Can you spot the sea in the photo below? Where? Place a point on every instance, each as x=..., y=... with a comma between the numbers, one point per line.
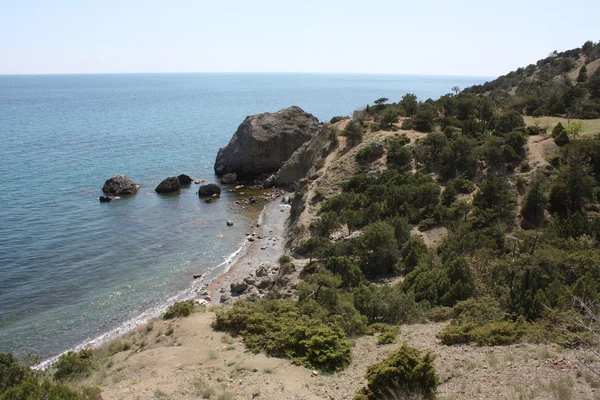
x=75, y=272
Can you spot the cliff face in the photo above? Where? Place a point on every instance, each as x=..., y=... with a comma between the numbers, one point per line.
x=300, y=163
x=263, y=142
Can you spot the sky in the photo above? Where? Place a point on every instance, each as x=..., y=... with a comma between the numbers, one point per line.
x=461, y=37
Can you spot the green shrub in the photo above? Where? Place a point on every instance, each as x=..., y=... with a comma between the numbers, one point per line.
x=386, y=338
x=407, y=124
x=404, y=372
x=353, y=132
x=338, y=118
x=440, y=314
x=11, y=372
x=284, y=259
x=554, y=160
x=562, y=139
x=481, y=321
x=365, y=155
x=557, y=130
x=180, y=309
x=37, y=388
x=280, y=329
x=74, y=365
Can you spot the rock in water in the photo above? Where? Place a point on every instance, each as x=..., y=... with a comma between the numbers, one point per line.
x=209, y=190
x=263, y=142
x=185, y=179
x=169, y=185
x=120, y=184
x=229, y=179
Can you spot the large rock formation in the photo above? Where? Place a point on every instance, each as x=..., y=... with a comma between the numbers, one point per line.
x=301, y=162
x=120, y=184
x=263, y=142
x=169, y=185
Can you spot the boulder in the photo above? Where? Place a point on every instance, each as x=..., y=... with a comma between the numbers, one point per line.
x=209, y=190
x=185, y=179
x=120, y=184
x=263, y=142
x=300, y=163
x=229, y=179
x=238, y=287
x=377, y=149
x=169, y=185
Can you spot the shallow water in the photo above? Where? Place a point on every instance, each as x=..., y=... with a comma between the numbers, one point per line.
x=72, y=269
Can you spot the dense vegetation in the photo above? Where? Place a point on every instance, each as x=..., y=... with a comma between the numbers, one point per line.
x=18, y=382
x=519, y=243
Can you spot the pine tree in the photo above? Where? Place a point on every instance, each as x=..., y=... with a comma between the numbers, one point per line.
x=582, y=77
x=534, y=204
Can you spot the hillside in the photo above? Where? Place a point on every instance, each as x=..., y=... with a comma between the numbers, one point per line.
x=443, y=249
x=564, y=83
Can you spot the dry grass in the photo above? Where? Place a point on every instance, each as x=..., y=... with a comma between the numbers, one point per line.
x=589, y=126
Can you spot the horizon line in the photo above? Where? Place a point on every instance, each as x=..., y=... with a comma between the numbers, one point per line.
x=236, y=72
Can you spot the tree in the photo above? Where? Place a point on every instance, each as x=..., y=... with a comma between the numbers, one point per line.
x=379, y=249
x=380, y=100
x=398, y=156
x=582, y=77
x=495, y=201
x=353, y=131
x=534, y=204
x=455, y=89
x=389, y=116
x=425, y=116
x=509, y=121
x=409, y=102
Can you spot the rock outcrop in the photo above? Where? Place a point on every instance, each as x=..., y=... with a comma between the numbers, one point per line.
x=263, y=142
x=169, y=185
x=300, y=163
x=120, y=184
x=185, y=179
x=209, y=190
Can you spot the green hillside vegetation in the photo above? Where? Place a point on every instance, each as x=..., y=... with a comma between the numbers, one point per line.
x=521, y=244
x=561, y=84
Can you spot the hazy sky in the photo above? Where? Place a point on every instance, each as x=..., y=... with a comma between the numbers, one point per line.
x=482, y=38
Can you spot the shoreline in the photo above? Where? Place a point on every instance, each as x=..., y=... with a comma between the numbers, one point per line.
x=270, y=225
x=269, y=234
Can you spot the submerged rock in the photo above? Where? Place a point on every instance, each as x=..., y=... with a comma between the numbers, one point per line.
x=120, y=184
x=209, y=190
x=263, y=142
x=169, y=185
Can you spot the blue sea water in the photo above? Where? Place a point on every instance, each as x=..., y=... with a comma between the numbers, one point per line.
x=72, y=269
